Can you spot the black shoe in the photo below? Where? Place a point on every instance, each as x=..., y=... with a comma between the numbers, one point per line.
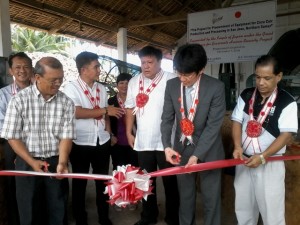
x=105, y=222
x=145, y=222
x=170, y=222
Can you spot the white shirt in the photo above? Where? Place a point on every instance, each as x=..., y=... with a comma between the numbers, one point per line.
x=88, y=130
x=148, y=135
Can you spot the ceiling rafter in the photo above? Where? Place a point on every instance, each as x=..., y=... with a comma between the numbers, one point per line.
x=56, y=11
x=155, y=21
x=65, y=20
x=159, y=28
x=138, y=7
x=104, y=38
x=184, y=6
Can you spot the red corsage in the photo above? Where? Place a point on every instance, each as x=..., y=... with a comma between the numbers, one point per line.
x=141, y=100
x=187, y=127
x=253, y=129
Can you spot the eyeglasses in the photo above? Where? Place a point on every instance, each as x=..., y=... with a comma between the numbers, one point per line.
x=57, y=81
x=186, y=75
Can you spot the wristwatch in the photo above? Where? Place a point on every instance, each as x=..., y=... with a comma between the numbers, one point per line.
x=262, y=158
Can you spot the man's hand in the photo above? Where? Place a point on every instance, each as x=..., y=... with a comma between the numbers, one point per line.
x=61, y=168
x=39, y=166
x=253, y=162
x=192, y=161
x=115, y=111
x=238, y=153
x=172, y=156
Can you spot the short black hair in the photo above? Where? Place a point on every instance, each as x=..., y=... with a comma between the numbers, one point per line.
x=190, y=58
x=266, y=60
x=18, y=54
x=49, y=61
x=85, y=58
x=123, y=76
x=150, y=51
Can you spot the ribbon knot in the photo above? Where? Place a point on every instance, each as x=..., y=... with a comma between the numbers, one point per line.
x=128, y=186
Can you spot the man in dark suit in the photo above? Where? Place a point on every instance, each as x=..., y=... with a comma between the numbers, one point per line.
x=197, y=102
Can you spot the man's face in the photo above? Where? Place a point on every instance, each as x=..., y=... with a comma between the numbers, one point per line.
x=92, y=70
x=189, y=79
x=122, y=87
x=266, y=80
x=21, y=70
x=150, y=66
x=50, y=82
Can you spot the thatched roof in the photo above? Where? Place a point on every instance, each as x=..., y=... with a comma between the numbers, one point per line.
x=156, y=22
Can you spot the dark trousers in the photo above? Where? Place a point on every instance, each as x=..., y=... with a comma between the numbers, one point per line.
x=37, y=195
x=149, y=160
x=210, y=183
x=123, y=155
x=10, y=186
x=81, y=158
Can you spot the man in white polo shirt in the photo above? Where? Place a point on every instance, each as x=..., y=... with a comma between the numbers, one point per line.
x=144, y=102
x=93, y=131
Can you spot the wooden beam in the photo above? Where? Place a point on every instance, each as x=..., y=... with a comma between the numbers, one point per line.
x=154, y=21
x=106, y=36
x=58, y=12
x=65, y=21
x=138, y=7
x=138, y=46
x=182, y=9
x=62, y=22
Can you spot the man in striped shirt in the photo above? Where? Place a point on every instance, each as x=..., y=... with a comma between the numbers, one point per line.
x=39, y=126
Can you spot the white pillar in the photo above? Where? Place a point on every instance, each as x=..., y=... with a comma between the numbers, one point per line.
x=122, y=44
x=5, y=41
x=5, y=34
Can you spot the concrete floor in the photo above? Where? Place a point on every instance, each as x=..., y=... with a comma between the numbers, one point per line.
x=127, y=217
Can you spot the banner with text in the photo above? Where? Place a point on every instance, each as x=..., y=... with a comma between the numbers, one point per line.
x=240, y=33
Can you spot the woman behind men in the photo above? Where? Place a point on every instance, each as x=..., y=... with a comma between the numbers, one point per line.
x=121, y=152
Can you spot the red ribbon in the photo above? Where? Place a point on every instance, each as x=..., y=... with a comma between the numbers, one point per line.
x=164, y=172
x=213, y=165
x=124, y=192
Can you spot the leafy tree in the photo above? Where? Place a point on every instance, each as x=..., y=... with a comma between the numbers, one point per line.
x=28, y=40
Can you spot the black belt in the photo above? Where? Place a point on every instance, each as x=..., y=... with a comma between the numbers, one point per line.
x=248, y=156
x=44, y=158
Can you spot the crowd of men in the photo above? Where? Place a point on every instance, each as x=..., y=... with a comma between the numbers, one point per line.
x=156, y=120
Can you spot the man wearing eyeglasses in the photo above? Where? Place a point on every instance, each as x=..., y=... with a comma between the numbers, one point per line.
x=196, y=101
x=39, y=126
x=20, y=67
